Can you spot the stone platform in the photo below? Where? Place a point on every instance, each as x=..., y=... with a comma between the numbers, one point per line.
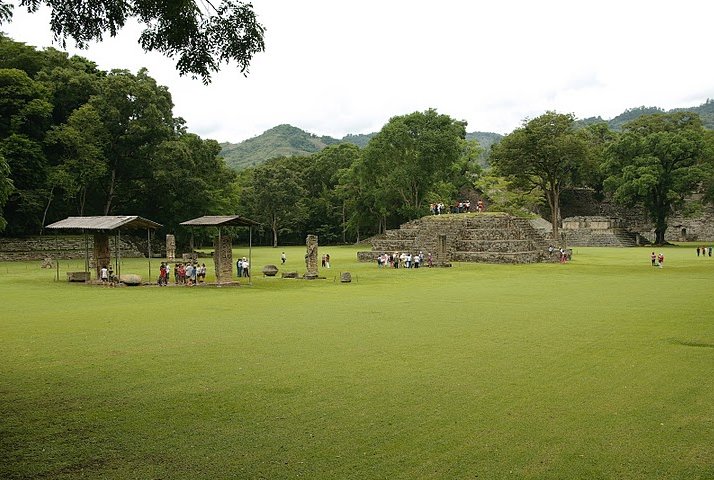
x=465, y=237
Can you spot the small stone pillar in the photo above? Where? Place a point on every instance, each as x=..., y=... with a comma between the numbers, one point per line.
x=311, y=257
x=223, y=259
x=102, y=253
x=170, y=248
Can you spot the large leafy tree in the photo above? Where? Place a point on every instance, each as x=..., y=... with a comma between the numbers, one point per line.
x=199, y=35
x=546, y=153
x=327, y=205
x=273, y=194
x=656, y=162
x=407, y=157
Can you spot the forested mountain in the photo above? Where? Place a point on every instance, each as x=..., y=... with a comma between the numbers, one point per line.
x=705, y=111
x=289, y=141
x=280, y=141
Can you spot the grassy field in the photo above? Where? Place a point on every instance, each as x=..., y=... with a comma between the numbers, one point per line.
x=598, y=369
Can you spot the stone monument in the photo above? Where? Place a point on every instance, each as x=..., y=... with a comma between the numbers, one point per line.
x=170, y=248
x=311, y=257
x=223, y=259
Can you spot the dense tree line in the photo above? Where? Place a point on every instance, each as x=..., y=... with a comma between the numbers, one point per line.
x=75, y=140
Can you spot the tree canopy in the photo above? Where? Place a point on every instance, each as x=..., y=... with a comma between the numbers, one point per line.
x=545, y=153
x=200, y=36
x=656, y=162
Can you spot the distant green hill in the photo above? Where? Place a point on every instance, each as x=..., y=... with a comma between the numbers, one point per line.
x=287, y=141
x=705, y=111
x=280, y=141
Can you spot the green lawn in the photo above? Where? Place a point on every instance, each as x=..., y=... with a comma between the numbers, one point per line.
x=598, y=369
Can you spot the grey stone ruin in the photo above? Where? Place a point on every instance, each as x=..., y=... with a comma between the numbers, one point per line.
x=223, y=259
x=170, y=248
x=311, y=257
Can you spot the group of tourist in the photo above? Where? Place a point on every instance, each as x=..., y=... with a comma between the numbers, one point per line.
x=106, y=275
x=188, y=274
x=243, y=267
x=458, y=207
x=326, y=261
x=564, y=254
x=406, y=260
x=704, y=250
x=657, y=260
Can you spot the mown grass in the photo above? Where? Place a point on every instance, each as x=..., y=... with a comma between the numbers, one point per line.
x=598, y=369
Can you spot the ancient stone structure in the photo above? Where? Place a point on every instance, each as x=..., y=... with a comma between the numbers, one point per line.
x=270, y=270
x=699, y=227
x=468, y=237
x=170, y=248
x=130, y=279
x=345, y=277
x=102, y=252
x=311, y=257
x=57, y=246
x=223, y=259
x=47, y=263
x=289, y=275
x=598, y=231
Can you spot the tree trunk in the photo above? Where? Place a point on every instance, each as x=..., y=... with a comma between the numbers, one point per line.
x=661, y=225
x=110, y=195
x=274, y=228
x=554, y=203
x=47, y=207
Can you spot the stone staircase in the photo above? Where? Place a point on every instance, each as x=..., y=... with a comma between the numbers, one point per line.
x=467, y=237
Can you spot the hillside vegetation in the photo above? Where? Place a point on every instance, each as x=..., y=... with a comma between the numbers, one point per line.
x=290, y=141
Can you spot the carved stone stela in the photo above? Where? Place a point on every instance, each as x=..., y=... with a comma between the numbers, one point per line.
x=311, y=257
x=170, y=248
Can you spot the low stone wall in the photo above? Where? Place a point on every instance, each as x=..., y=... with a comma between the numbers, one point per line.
x=57, y=246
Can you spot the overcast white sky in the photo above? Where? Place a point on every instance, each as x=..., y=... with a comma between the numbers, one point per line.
x=336, y=67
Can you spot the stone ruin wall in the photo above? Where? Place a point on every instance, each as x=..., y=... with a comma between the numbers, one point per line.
x=66, y=247
x=581, y=202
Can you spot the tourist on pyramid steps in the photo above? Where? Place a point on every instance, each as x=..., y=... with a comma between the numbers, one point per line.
x=653, y=257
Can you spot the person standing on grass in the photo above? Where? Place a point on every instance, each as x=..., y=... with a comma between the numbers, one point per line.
x=660, y=260
x=246, y=267
x=653, y=257
x=239, y=267
x=104, y=274
x=327, y=260
x=710, y=250
x=282, y=258
x=697, y=251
